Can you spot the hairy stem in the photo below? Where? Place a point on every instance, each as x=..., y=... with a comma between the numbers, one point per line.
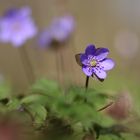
x=87, y=81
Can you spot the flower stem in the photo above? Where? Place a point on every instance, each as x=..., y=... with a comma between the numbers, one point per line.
x=87, y=81
x=27, y=64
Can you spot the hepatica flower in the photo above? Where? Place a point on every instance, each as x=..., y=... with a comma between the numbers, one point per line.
x=95, y=62
x=61, y=28
x=59, y=31
x=45, y=38
x=17, y=26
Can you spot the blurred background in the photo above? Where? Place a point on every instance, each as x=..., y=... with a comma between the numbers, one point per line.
x=112, y=23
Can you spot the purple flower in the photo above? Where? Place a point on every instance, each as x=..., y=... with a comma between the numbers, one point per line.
x=61, y=28
x=94, y=62
x=59, y=31
x=17, y=26
x=45, y=38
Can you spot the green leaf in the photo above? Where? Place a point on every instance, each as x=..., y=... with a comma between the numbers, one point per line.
x=97, y=100
x=34, y=99
x=38, y=112
x=14, y=104
x=45, y=86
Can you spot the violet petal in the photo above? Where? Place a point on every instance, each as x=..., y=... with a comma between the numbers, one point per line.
x=90, y=50
x=87, y=70
x=101, y=53
x=107, y=64
x=101, y=74
x=84, y=59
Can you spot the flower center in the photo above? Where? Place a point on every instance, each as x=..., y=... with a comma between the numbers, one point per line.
x=93, y=63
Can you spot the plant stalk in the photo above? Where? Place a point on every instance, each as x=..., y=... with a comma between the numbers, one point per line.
x=87, y=81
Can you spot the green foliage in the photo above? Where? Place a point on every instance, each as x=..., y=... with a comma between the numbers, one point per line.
x=75, y=105
x=37, y=112
x=69, y=114
x=45, y=86
x=34, y=98
x=13, y=104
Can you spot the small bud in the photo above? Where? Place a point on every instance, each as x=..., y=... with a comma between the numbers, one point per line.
x=121, y=108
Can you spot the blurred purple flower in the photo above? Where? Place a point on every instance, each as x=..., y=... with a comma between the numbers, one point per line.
x=62, y=28
x=59, y=31
x=94, y=62
x=45, y=38
x=17, y=26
